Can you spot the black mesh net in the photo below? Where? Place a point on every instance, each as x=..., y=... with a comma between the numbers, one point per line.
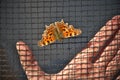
x=25, y=20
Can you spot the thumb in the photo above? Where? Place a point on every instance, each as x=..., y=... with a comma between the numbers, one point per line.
x=29, y=64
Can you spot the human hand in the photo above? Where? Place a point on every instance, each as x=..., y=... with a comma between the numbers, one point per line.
x=103, y=49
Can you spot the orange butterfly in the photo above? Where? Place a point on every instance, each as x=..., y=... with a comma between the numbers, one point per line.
x=58, y=31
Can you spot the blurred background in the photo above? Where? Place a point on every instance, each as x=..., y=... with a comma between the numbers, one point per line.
x=25, y=20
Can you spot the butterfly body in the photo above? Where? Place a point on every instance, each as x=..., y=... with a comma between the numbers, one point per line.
x=58, y=31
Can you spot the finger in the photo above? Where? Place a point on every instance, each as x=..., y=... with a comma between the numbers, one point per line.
x=113, y=66
x=28, y=62
x=115, y=21
x=107, y=52
x=116, y=17
x=110, y=51
x=22, y=48
x=99, y=42
x=25, y=53
x=103, y=37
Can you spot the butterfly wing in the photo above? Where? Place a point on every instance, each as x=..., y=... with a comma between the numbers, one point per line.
x=67, y=30
x=48, y=36
x=72, y=32
x=62, y=28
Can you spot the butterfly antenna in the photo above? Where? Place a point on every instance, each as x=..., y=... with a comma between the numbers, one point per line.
x=46, y=26
x=62, y=20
